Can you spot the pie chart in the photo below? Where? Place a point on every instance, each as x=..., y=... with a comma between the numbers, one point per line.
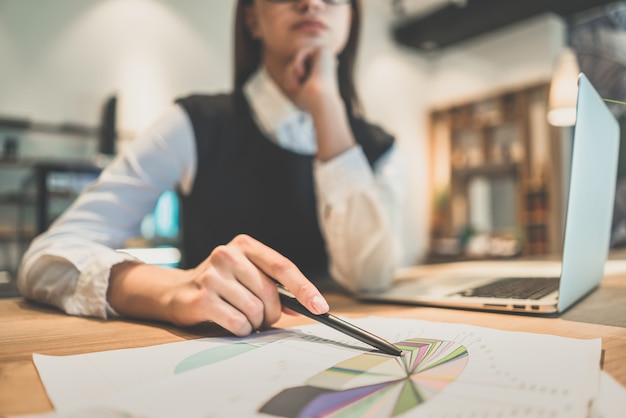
x=375, y=385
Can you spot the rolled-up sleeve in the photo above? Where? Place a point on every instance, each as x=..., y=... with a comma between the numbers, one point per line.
x=360, y=212
x=68, y=266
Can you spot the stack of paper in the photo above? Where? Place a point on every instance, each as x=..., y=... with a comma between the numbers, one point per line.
x=450, y=370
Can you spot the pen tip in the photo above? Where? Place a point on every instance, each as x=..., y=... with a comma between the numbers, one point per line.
x=406, y=360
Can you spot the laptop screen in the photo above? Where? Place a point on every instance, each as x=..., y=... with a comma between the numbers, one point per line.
x=591, y=195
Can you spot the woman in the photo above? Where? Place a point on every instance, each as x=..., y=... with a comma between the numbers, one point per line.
x=278, y=176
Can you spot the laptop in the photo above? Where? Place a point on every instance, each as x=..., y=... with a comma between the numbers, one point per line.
x=537, y=287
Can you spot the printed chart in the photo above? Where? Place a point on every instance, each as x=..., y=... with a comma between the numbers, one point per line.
x=450, y=370
x=78, y=381
x=212, y=355
x=373, y=385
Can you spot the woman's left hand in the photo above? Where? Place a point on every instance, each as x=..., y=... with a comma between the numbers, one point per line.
x=310, y=79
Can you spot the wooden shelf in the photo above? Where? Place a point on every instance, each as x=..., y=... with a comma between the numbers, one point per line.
x=494, y=176
x=488, y=170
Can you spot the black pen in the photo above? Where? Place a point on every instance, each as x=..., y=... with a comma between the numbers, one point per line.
x=289, y=301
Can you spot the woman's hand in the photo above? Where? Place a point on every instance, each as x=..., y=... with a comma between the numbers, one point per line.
x=231, y=287
x=310, y=79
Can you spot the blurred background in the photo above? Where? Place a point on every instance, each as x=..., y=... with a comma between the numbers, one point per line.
x=479, y=94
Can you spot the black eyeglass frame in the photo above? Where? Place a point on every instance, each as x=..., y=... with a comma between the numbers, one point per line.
x=329, y=2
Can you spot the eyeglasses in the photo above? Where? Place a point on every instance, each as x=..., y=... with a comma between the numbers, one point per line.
x=331, y=2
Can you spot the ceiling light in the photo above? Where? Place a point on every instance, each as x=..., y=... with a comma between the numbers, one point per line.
x=564, y=90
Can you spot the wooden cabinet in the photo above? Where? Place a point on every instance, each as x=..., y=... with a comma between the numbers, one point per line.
x=495, y=177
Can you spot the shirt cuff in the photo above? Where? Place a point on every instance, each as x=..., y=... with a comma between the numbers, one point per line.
x=93, y=282
x=342, y=176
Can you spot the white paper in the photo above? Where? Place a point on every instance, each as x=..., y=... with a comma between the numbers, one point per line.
x=611, y=399
x=503, y=373
x=73, y=382
x=610, y=403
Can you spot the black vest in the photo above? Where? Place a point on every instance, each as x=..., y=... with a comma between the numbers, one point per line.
x=247, y=184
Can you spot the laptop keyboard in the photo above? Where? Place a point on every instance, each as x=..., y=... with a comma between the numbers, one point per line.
x=516, y=288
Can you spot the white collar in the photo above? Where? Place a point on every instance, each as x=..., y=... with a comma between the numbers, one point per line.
x=277, y=117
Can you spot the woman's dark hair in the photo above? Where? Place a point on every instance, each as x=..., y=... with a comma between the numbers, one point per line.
x=248, y=53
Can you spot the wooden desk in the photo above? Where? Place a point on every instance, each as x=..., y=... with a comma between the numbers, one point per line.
x=26, y=328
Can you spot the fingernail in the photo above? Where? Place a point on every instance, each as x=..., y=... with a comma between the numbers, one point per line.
x=319, y=304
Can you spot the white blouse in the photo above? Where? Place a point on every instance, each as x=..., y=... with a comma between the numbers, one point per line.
x=359, y=209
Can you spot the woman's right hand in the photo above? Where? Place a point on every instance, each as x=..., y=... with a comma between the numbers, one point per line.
x=231, y=287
